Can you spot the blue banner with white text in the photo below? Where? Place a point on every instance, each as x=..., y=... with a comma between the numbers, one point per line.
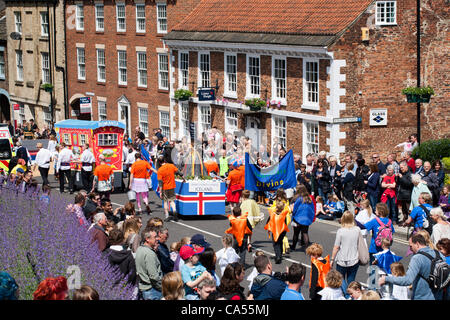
x=280, y=175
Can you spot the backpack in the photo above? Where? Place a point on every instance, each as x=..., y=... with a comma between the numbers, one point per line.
x=385, y=231
x=428, y=223
x=439, y=276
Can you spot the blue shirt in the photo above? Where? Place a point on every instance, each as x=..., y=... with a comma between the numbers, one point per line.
x=290, y=294
x=303, y=213
x=419, y=215
x=189, y=274
x=373, y=226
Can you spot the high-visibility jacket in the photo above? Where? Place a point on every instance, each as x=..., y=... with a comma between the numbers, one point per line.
x=322, y=268
x=277, y=223
x=239, y=227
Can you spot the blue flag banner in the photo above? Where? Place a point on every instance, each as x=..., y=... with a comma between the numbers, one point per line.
x=145, y=155
x=280, y=175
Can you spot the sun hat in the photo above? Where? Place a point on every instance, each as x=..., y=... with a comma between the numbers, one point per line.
x=199, y=240
x=188, y=251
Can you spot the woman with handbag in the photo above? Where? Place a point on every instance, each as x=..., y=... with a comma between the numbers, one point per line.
x=345, y=250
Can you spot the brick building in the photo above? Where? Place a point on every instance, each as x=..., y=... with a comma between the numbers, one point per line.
x=316, y=64
x=116, y=56
x=5, y=105
x=36, y=57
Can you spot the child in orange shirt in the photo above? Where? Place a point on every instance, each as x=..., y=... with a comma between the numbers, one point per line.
x=276, y=224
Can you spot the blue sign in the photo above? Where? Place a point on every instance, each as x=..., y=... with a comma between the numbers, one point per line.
x=280, y=175
x=206, y=95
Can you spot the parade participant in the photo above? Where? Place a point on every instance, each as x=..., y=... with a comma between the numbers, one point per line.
x=281, y=197
x=303, y=213
x=254, y=213
x=63, y=167
x=139, y=177
x=166, y=180
x=276, y=225
x=235, y=187
x=385, y=258
x=240, y=228
x=103, y=178
x=295, y=279
x=223, y=163
x=87, y=161
x=345, y=250
x=212, y=166
x=148, y=267
x=42, y=161
x=227, y=254
x=319, y=269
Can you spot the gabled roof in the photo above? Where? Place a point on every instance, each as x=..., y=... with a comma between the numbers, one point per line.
x=323, y=18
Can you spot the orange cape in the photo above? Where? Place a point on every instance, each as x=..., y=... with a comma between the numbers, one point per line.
x=277, y=223
x=322, y=269
x=238, y=227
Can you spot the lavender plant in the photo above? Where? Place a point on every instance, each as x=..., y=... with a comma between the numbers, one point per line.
x=39, y=240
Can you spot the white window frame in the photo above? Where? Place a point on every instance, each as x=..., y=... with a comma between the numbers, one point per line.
x=140, y=19
x=18, y=22
x=119, y=19
x=67, y=139
x=45, y=67
x=163, y=72
x=183, y=70
x=276, y=81
x=183, y=119
x=2, y=64
x=108, y=139
x=99, y=19
x=143, y=120
x=102, y=113
x=204, y=83
x=382, y=21
x=142, y=68
x=48, y=117
x=228, y=81
x=231, y=120
x=308, y=144
x=249, y=93
x=165, y=126
x=44, y=24
x=101, y=65
x=276, y=127
x=81, y=63
x=79, y=17
x=19, y=65
x=122, y=69
x=204, y=117
x=307, y=103
x=161, y=17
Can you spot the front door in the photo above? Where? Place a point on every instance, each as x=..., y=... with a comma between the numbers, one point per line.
x=124, y=116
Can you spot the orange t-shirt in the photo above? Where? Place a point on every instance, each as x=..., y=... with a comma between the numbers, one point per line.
x=140, y=169
x=234, y=176
x=212, y=166
x=103, y=172
x=241, y=169
x=166, y=173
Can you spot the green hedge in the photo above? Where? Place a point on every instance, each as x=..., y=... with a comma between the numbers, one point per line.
x=432, y=150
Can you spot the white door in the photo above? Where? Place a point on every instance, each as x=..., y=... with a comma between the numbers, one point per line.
x=124, y=116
